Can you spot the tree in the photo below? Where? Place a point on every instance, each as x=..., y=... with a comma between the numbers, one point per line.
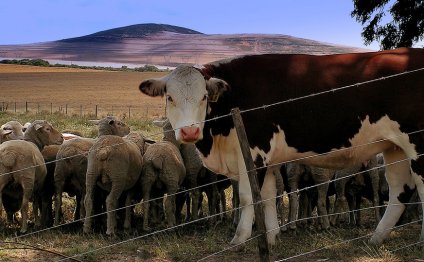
x=406, y=28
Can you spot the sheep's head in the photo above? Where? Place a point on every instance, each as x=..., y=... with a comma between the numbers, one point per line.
x=168, y=131
x=16, y=130
x=42, y=134
x=111, y=125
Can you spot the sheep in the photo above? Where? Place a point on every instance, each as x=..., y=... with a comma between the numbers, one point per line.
x=23, y=164
x=371, y=184
x=49, y=154
x=16, y=129
x=193, y=165
x=295, y=174
x=163, y=172
x=71, y=167
x=114, y=164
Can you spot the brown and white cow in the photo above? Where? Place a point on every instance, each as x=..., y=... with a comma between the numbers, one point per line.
x=382, y=113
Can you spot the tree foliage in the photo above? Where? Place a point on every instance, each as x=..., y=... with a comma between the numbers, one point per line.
x=405, y=28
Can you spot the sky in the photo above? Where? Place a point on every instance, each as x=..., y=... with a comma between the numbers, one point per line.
x=31, y=21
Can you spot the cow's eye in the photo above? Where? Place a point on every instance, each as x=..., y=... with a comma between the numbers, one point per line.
x=205, y=97
x=169, y=98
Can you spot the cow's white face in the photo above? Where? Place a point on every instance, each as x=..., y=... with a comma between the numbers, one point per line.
x=186, y=92
x=186, y=103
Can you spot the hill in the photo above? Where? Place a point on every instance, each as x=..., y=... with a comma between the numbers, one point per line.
x=168, y=45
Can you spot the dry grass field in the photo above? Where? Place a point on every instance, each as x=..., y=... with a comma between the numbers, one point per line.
x=79, y=91
x=190, y=242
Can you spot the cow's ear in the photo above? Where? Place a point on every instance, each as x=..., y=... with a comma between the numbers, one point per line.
x=216, y=87
x=153, y=87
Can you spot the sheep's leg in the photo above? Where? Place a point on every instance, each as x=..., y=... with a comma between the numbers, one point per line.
x=322, y=200
x=111, y=206
x=58, y=202
x=340, y=204
x=88, y=200
x=24, y=212
x=235, y=202
x=194, y=196
x=401, y=183
x=375, y=183
x=223, y=199
x=78, y=207
x=293, y=201
x=146, y=206
x=170, y=205
x=27, y=183
x=128, y=207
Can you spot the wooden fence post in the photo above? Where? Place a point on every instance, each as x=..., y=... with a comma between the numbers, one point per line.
x=15, y=107
x=80, y=111
x=51, y=108
x=96, y=111
x=254, y=185
x=26, y=107
x=66, y=109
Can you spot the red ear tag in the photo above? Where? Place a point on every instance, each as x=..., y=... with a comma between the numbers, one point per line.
x=214, y=98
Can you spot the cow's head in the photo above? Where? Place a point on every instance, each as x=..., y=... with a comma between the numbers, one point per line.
x=187, y=92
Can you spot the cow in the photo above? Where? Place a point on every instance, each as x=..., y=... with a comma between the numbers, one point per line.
x=306, y=108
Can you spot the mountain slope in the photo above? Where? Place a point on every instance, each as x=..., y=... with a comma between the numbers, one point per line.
x=167, y=45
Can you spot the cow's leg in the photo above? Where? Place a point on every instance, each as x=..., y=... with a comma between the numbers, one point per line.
x=401, y=187
x=244, y=227
x=268, y=194
x=419, y=181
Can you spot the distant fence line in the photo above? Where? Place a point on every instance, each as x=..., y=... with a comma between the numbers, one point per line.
x=124, y=111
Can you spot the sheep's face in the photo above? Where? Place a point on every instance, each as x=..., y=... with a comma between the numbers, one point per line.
x=119, y=128
x=46, y=133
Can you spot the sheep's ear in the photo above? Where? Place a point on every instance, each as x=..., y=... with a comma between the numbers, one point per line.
x=216, y=87
x=111, y=122
x=4, y=133
x=153, y=87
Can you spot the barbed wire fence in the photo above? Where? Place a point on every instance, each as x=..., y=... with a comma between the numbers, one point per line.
x=208, y=217
x=87, y=110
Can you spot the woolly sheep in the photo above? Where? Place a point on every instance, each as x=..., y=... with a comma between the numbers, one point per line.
x=23, y=164
x=71, y=167
x=193, y=165
x=114, y=164
x=163, y=172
